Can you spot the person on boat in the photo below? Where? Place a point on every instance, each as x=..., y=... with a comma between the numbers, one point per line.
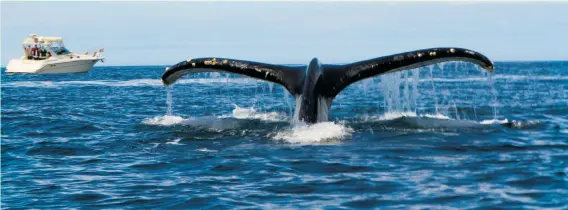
x=34, y=51
x=43, y=52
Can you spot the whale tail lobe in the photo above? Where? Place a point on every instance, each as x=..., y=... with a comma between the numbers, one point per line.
x=338, y=77
x=290, y=77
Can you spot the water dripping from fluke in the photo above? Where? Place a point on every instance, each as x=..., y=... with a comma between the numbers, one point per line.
x=169, y=118
x=169, y=101
x=401, y=95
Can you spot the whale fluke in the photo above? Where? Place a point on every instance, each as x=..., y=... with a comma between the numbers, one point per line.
x=338, y=77
x=315, y=85
x=291, y=77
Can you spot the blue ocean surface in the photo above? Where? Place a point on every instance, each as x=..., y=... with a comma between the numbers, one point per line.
x=445, y=136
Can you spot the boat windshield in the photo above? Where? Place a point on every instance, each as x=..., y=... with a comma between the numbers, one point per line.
x=60, y=50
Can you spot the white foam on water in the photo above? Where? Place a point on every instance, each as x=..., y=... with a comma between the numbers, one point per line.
x=214, y=123
x=396, y=115
x=175, y=142
x=206, y=150
x=251, y=113
x=323, y=132
x=393, y=115
x=494, y=121
x=218, y=123
x=436, y=116
x=166, y=120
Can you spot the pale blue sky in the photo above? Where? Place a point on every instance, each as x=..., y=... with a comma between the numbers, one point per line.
x=164, y=33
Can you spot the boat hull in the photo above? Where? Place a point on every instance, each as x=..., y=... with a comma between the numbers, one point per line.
x=47, y=67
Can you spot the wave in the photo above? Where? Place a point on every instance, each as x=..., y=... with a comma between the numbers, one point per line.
x=432, y=120
x=236, y=119
x=325, y=132
x=166, y=120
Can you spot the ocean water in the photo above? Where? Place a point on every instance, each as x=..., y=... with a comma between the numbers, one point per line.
x=445, y=136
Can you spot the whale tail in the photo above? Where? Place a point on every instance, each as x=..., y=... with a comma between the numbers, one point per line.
x=319, y=84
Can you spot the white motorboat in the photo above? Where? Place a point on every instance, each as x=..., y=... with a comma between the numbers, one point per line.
x=48, y=55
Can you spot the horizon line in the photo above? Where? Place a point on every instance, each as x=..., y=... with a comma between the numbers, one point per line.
x=497, y=61
x=165, y=65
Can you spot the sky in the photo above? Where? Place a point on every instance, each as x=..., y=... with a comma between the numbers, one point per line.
x=164, y=33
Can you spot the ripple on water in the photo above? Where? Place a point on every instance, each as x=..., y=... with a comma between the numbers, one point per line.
x=62, y=150
x=151, y=166
x=313, y=166
x=87, y=197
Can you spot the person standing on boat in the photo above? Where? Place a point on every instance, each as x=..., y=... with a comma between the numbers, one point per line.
x=34, y=51
x=43, y=52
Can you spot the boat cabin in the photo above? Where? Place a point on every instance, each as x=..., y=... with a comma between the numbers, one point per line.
x=40, y=48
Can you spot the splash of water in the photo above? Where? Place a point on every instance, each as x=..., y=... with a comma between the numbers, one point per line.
x=324, y=132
